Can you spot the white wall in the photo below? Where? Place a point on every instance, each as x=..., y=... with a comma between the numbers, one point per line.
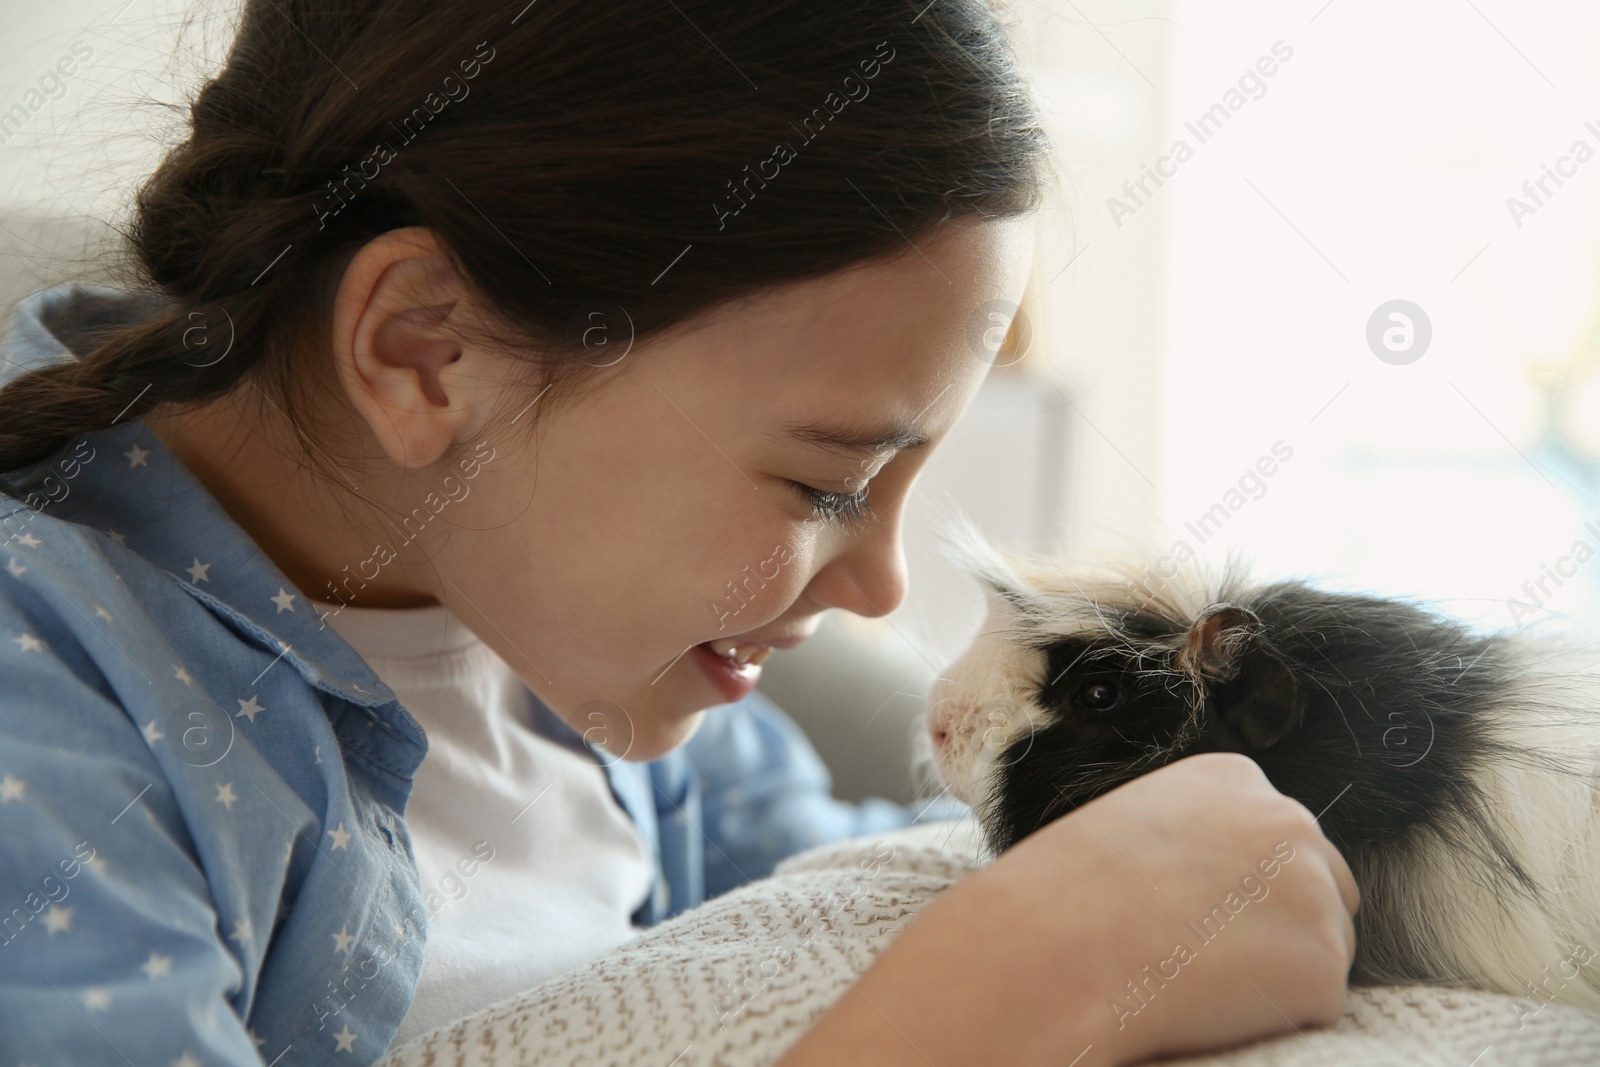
x=1100, y=73
x=1377, y=166
x=93, y=80
x=93, y=134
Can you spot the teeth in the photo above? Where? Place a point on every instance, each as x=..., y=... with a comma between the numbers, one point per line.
x=752, y=655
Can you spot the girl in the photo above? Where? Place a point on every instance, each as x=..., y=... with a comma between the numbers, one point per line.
x=480, y=353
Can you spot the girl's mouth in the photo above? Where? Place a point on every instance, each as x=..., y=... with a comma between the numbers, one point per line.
x=733, y=667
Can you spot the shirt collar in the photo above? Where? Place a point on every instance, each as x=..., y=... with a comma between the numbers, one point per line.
x=134, y=491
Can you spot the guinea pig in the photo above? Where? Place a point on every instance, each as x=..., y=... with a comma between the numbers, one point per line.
x=1458, y=772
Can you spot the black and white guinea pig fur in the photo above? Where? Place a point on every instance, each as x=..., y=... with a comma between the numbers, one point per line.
x=1457, y=772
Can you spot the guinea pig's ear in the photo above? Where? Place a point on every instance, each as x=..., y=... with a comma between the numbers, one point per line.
x=1262, y=701
x=1219, y=635
x=1247, y=684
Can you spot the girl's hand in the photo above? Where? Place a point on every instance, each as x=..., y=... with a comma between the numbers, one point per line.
x=1089, y=938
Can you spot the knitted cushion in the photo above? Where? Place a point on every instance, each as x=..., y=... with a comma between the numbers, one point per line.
x=739, y=979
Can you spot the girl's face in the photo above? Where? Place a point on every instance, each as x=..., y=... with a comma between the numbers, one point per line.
x=696, y=491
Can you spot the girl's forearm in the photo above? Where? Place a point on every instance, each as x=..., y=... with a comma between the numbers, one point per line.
x=931, y=998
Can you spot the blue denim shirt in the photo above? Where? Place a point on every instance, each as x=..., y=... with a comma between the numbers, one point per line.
x=204, y=856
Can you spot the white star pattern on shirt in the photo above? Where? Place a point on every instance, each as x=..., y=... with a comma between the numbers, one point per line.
x=199, y=572
x=29, y=540
x=98, y=864
x=58, y=920
x=249, y=709
x=96, y=999
x=242, y=931
x=157, y=966
x=29, y=643
x=152, y=733
x=12, y=789
x=186, y=1060
x=342, y=939
x=346, y=1040
x=399, y=932
x=225, y=795
x=137, y=457
x=183, y=676
x=284, y=600
x=103, y=613
x=341, y=838
x=17, y=570
x=121, y=539
x=254, y=1040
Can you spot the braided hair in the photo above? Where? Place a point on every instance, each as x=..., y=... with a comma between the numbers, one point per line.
x=659, y=158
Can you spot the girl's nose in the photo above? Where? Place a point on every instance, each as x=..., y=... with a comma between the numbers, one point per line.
x=869, y=577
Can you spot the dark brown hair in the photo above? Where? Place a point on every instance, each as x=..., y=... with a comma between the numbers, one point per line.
x=660, y=157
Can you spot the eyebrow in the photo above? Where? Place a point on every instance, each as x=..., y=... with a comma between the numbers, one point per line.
x=845, y=438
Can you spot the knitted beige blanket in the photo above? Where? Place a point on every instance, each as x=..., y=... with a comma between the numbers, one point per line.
x=736, y=981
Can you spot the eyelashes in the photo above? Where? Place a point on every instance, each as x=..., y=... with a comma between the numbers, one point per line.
x=849, y=510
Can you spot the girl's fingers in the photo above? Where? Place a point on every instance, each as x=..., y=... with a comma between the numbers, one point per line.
x=1341, y=875
x=1348, y=891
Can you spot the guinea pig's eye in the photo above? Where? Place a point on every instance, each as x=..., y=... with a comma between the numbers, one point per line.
x=1099, y=694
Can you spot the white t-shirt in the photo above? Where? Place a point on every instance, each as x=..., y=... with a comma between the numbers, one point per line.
x=529, y=866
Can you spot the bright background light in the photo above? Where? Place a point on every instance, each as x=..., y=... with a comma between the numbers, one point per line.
x=1375, y=165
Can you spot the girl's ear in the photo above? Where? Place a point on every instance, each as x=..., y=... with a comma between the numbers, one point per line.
x=410, y=376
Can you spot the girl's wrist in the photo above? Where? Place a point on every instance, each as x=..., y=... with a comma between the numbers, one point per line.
x=1070, y=919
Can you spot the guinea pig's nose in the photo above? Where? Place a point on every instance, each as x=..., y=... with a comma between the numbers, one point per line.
x=938, y=724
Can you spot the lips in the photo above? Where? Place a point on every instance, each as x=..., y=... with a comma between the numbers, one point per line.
x=732, y=665
x=731, y=678
x=740, y=652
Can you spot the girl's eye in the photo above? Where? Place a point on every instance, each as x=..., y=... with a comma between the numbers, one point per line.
x=845, y=509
